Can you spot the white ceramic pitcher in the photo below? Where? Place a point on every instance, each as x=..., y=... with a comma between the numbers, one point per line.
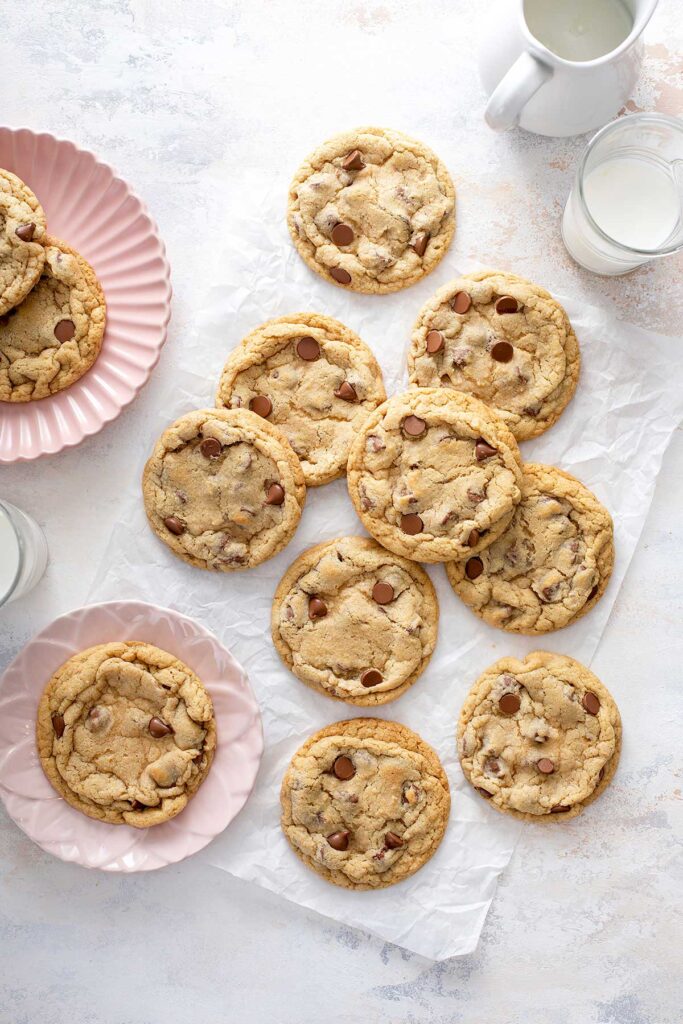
x=532, y=87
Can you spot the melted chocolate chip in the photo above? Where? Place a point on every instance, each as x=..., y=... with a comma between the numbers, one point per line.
x=461, y=302
x=25, y=232
x=506, y=304
x=64, y=330
x=275, y=495
x=342, y=234
x=502, y=351
x=353, y=161
x=261, y=405
x=483, y=450
x=174, y=525
x=340, y=275
x=509, y=703
x=392, y=841
x=371, y=677
x=211, y=447
x=591, y=703
x=434, y=342
x=411, y=524
x=308, y=349
x=383, y=593
x=421, y=242
x=317, y=609
x=346, y=392
x=159, y=728
x=59, y=725
x=474, y=567
x=546, y=766
x=339, y=840
x=344, y=768
x=414, y=426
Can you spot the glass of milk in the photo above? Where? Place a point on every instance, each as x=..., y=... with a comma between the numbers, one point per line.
x=626, y=206
x=23, y=552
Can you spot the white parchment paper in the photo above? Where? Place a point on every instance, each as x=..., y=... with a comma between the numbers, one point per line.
x=612, y=436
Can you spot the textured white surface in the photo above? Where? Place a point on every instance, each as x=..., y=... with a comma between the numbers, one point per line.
x=583, y=928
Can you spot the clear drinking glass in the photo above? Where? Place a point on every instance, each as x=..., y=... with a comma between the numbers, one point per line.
x=23, y=552
x=626, y=206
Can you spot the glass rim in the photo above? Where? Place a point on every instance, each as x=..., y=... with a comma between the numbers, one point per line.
x=5, y=508
x=654, y=117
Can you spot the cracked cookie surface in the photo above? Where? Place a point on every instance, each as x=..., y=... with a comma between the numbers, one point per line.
x=22, y=240
x=434, y=475
x=126, y=733
x=55, y=335
x=223, y=489
x=539, y=738
x=314, y=379
x=503, y=339
x=355, y=622
x=552, y=563
x=365, y=803
x=372, y=210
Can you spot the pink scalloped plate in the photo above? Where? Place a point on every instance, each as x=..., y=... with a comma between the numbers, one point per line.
x=88, y=207
x=59, y=828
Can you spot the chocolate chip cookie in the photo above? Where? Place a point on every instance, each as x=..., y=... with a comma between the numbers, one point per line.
x=552, y=563
x=50, y=340
x=126, y=733
x=355, y=622
x=539, y=738
x=365, y=803
x=502, y=339
x=22, y=237
x=314, y=379
x=434, y=475
x=223, y=489
x=372, y=210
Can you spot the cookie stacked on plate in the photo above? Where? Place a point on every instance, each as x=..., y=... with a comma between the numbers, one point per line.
x=52, y=307
x=436, y=475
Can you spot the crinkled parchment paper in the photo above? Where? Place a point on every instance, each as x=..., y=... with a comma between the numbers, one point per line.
x=612, y=436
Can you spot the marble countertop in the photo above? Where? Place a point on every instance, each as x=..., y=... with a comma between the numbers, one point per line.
x=175, y=95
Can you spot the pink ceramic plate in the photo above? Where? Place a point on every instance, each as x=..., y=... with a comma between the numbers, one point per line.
x=95, y=212
x=60, y=829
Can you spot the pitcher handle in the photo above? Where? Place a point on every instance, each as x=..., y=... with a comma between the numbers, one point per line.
x=513, y=92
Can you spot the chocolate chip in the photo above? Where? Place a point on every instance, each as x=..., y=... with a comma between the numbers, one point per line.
x=502, y=351
x=346, y=392
x=339, y=840
x=159, y=728
x=506, y=304
x=559, y=809
x=4, y=320
x=275, y=495
x=492, y=765
x=473, y=538
x=420, y=243
x=591, y=703
x=435, y=342
x=546, y=766
x=308, y=349
x=317, y=609
x=344, y=768
x=211, y=447
x=593, y=592
x=342, y=234
x=483, y=450
x=412, y=524
x=353, y=161
x=393, y=841
x=137, y=806
x=461, y=302
x=383, y=593
x=474, y=567
x=261, y=405
x=65, y=330
x=58, y=725
x=601, y=774
x=414, y=426
x=25, y=232
x=509, y=703
x=484, y=792
x=340, y=275
x=175, y=525
x=371, y=677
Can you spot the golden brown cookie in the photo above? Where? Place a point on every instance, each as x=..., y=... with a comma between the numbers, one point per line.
x=434, y=475
x=539, y=738
x=372, y=210
x=365, y=803
x=552, y=563
x=355, y=622
x=22, y=241
x=223, y=489
x=126, y=733
x=55, y=335
x=503, y=339
x=311, y=377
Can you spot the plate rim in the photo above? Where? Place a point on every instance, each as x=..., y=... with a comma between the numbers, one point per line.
x=85, y=430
